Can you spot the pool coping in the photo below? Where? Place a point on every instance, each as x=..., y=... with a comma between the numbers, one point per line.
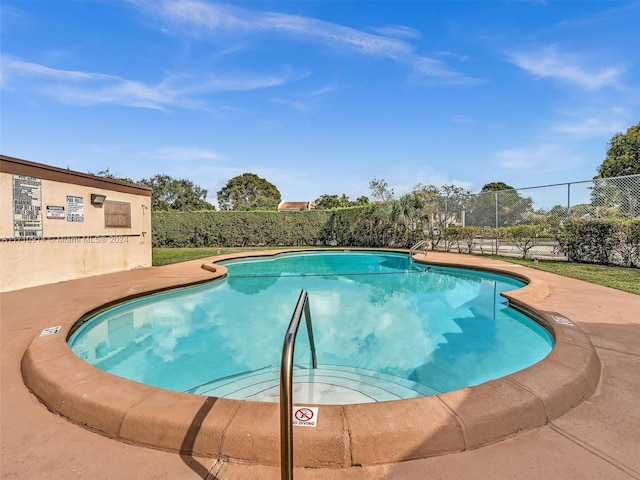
x=346, y=435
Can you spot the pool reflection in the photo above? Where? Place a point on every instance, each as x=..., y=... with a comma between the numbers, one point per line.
x=441, y=328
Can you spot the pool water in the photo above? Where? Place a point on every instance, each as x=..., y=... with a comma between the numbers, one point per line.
x=385, y=328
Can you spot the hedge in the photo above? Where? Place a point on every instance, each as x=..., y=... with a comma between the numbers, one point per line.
x=604, y=241
x=238, y=229
x=592, y=240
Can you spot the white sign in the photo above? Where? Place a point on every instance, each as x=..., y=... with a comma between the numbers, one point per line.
x=27, y=207
x=305, y=416
x=50, y=331
x=75, y=209
x=55, y=211
x=562, y=320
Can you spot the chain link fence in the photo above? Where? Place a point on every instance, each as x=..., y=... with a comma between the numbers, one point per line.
x=547, y=205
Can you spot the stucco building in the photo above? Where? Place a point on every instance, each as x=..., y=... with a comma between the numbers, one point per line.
x=58, y=224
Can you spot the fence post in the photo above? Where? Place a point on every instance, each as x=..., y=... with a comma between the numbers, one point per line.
x=446, y=223
x=496, y=194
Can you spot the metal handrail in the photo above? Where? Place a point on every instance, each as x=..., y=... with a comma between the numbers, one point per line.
x=415, y=248
x=286, y=383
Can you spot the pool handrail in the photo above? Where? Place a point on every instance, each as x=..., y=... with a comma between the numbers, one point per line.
x=286, y=383
x=413, y=249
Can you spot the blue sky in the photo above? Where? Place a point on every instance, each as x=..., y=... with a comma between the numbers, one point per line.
x=320, y=97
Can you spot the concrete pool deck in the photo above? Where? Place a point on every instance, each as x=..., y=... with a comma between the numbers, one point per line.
x=598, y=438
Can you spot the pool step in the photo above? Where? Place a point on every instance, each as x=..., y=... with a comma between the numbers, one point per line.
x=327, y=384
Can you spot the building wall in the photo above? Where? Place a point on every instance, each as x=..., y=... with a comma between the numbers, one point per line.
x=50, y=231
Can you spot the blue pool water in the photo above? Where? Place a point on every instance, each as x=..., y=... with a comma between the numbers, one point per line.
x=384, y=327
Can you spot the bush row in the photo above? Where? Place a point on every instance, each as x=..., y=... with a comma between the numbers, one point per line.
x=601, y=241
x=238, y=229
x=364, y=226
x=594, y=241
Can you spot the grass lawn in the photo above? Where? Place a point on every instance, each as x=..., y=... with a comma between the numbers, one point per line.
x=165, y=256
x=621, y=278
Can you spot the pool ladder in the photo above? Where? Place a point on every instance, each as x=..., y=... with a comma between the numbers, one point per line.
x=415, y=248
x=286, y=383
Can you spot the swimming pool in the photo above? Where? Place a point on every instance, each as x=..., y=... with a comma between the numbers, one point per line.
x=386, y=328
x=346, y=435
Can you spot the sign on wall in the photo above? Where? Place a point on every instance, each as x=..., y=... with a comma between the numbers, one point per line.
x=27, y=207
x=55, y=212
x=305, y=416
x=75, y=209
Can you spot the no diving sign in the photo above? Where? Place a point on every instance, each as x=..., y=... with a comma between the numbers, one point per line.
x=305, y=416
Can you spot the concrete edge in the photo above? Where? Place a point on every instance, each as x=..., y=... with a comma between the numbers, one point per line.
x=248, y=432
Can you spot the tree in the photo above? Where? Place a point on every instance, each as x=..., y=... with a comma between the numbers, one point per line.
x=501, y=200
x=623, y=155
x=440, y=208
x=107, y=173
x=495, y=187
x=408, y=212
x=619, y=197
x=249, y=192
x=327, y=202
x=525, y=237
x=427, y=201
x=456, y=200
x=168, y=193
x=380, y=189
x=173, y=194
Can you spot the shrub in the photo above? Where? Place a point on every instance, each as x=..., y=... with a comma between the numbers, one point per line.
x=628, y=236
x=525, y=237
x=463, y=238
x=590, y=241
x=363, y=226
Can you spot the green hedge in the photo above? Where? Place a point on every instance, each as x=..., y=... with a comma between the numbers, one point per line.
x=605, y=241
x=594, y=241
x=238, y=229
x=364, y=226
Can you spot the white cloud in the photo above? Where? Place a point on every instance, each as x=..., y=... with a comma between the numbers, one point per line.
x=571, y=68
x=439, y=71
x=452, y=55
x=330, y=88
x=296, y=105
x=28, y=69
x=542, y=156
x=202, y=19
x=590, y=127
x=399, y=31
x=593, y=121
x=307, y=102
x=515, y=159
x=216, y=19
x=88, y=88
